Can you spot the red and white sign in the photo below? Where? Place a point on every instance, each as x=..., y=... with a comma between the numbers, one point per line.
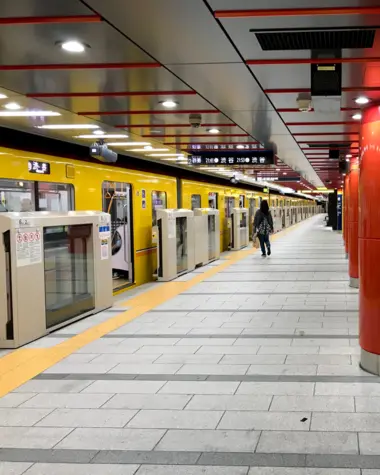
x=28, y=246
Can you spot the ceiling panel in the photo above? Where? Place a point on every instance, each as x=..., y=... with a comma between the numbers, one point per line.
x=25, y=8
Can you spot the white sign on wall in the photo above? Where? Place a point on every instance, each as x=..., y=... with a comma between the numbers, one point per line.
x=28, y=246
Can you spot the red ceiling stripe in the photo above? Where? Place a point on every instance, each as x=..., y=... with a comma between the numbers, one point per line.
x=148, y=112
x=194, y=135
x=322, y=134
x=35, y=20
x=297, y=12
x=166, y=126
x=111, y=94
x=320, y=141
x=295, y=109
x=258, y=62
x=29, y=67
x=347, y=122
x=344, y=89
x=211, y=143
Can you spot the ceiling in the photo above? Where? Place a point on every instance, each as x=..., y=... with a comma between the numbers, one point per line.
x=205, y=56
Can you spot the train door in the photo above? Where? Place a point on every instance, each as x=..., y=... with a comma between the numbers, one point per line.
x=117, y=201
x=229, y=204
x=241, y=201
x=251, y=208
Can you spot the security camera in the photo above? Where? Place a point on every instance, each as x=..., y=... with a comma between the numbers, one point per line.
x=195, y=120
x=101, y=152
x=234, y=179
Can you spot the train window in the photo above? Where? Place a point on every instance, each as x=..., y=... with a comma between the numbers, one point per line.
x=158, y=202
x=55, y=197
x=196, y=201
x=241, y=201
x=229, y=205
x=213, y=200
x=17, y=196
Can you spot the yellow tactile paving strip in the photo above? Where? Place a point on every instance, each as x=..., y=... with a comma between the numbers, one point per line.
x=23, y=364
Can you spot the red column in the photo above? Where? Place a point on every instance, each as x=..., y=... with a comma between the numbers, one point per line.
x=369, y=240
x=345, y=213
x=352, y=230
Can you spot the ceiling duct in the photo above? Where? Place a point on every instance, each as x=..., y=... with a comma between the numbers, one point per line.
x=326, y=82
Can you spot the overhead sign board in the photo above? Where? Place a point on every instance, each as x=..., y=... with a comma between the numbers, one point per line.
x=42, y=168
x=231, y=157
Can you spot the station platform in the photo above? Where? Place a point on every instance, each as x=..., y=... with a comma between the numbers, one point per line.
x=246, y=366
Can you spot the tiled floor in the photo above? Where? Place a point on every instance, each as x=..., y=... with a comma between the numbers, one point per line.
x=253, y=371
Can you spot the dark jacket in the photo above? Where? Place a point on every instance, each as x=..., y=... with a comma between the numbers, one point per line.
x=259, y=218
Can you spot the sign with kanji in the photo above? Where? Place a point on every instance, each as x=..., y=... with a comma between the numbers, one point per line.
x=231, y=158
x=42, y=168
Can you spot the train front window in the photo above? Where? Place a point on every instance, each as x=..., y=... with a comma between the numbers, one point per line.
x=16, y=196
x=55, y=197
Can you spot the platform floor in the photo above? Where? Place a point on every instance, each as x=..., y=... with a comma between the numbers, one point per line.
x=248, y=366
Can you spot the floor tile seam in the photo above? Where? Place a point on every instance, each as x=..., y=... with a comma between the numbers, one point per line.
x=233, y=336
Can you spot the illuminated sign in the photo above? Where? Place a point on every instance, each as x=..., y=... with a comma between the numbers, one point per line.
x=231, y=158
x=42, y=168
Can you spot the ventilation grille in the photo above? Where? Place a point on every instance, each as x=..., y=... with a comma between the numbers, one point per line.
x=316, y=39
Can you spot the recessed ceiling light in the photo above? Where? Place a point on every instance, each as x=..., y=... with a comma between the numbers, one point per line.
x=213, y=131
x=239, y=146
x=348, y=155
x=151, y=149
x=284, y=173
x=278, y=169
x=357, y=116
x=12, y=106
x=3, y=96
x=28, y=114
x=155, y=131
x=73, y=46
x=98, y=132
x=104, y=136
x=148, y=147
x=163, y=155
x=68, y=126
x=169, y=104
x=130, y=144
x=362, y=100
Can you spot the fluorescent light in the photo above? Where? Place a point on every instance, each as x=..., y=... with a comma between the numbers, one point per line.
x=98, y=132
x=284, y=173
x=29, y=114
x=3, y=96
x=12, y=106
x=278, y=169
x=73, y=46
x=104, y=136
x=143, y=149
x=357, y=116
x=213, y=131
x=164, y=155
x=169, y=104
x=148, y=147
x=68, y=126
x=362, y=100
x=348, y=155
x=240, y=146
x=128, y=144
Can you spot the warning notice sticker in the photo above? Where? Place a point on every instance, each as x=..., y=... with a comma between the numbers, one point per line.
x=28, y=246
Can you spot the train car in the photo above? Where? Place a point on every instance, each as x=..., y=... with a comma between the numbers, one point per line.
x=32, y=181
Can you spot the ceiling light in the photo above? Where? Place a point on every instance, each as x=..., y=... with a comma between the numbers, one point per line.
x=278, y=169
x=28, y=114
x=68, y=126
x=240, y=146
x=362, y=100
x=348, y=155
x=164, y=155
x=104, y=136
x=169, y=104
x=148, y=147
x=156, y=131
x=130, y=144
x=213, y=131
x=357, y=116
x=3, y=96
x=12, y=106
x=347, y=159
x=73, y=46
x=284, y=173
x=98, y=132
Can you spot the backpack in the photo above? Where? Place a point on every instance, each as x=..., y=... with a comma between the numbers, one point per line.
x=264, y=227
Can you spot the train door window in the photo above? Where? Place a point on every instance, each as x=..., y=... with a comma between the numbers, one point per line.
x=241, y=201
x=196, y=201
x=17, y=196
x=229, y=203
x=213, y=200
x=117, y=201
x=158, y=202
x=55, y=197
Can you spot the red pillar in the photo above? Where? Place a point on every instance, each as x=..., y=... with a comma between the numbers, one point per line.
x=352, y=230
x=369, y=240
x=345, y=213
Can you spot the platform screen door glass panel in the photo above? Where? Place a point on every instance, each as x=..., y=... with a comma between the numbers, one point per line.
x=181, y=235
x=17, y=196
x=211, y=237
x=69, y=272
x=57, y=197
x=158, y=202
x=196, y=202
x=117, y=202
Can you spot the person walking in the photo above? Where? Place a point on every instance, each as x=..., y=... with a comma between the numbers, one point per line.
x=263, y=226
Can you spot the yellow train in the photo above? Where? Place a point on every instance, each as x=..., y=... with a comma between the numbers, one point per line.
x=33, y=181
